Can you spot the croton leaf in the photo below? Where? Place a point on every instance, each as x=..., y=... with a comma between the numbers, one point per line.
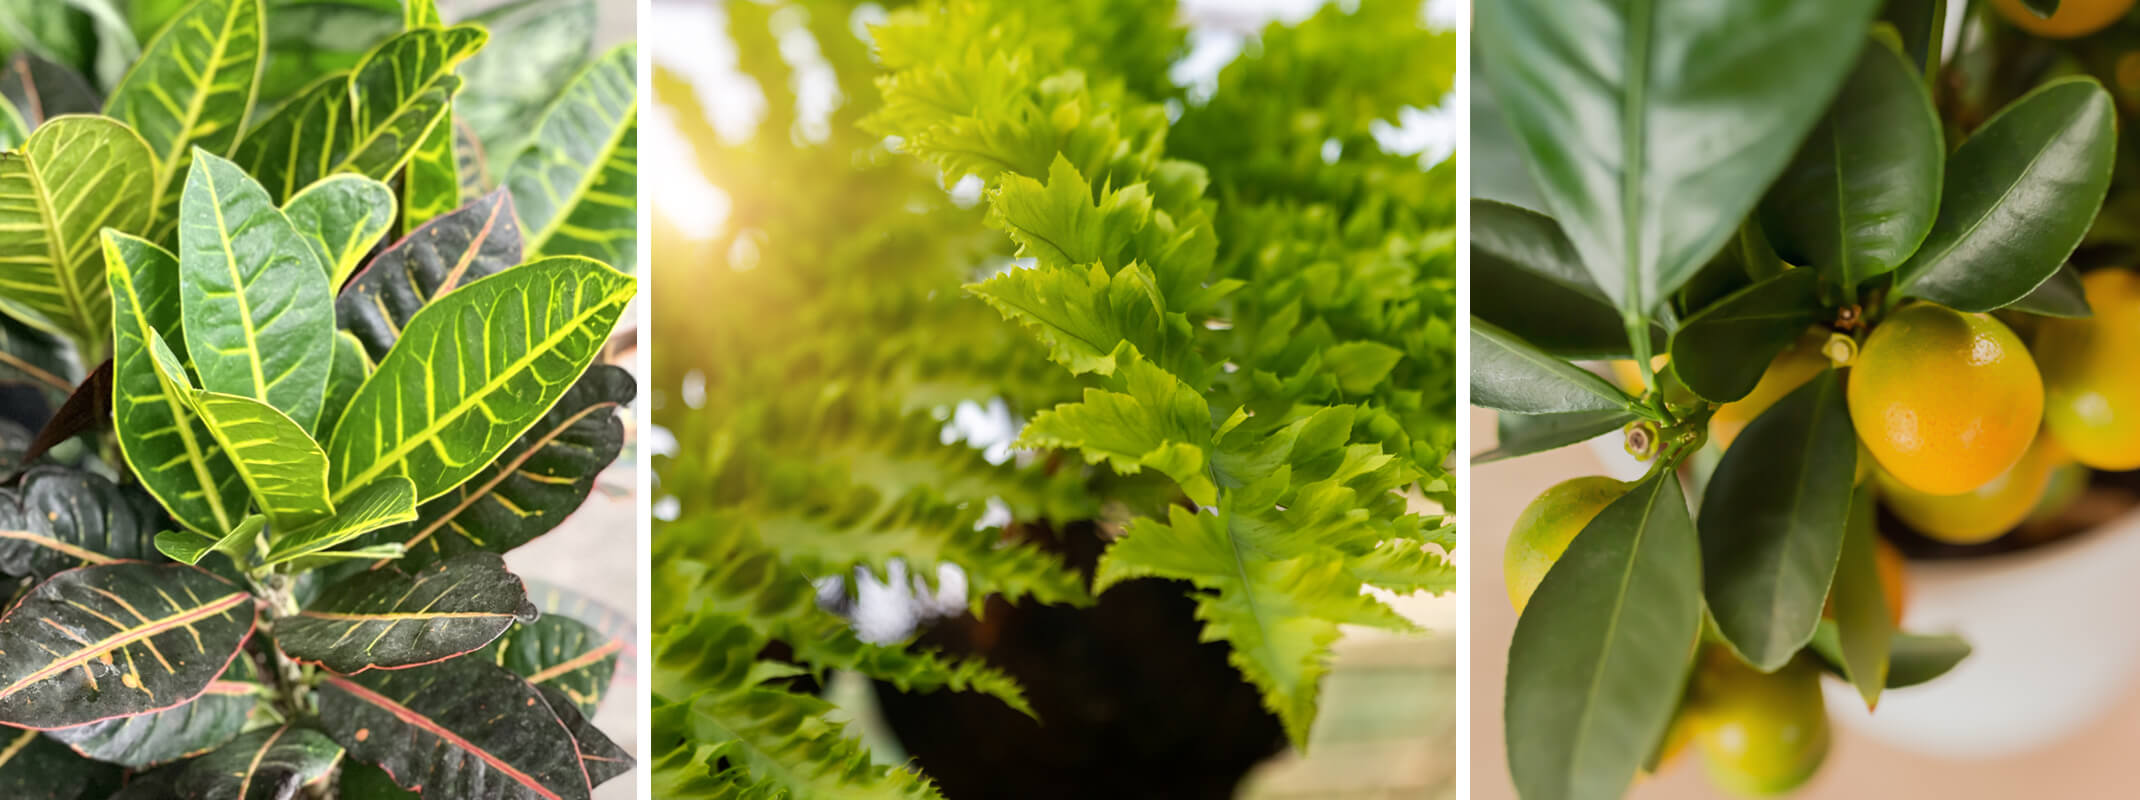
x=280, y=464
x=32, y=765
x=464, y=728
x=351, y=367
x=193, y=87
x=113, y=640
x=389, y=619
x=536, y=47
x=189, y=547
x=74, y=177
x=34, y=357
x=600, y=758
x=561, y=653
x=60, y=518
x=472, y=242
x=576, y=184
x=390, y=500
x=257, y=315
x=168, y=447
x=42, y=90
x=146, y=740
x=473, y=371
x=532, y=486
x=267, y=764
x=341, y=217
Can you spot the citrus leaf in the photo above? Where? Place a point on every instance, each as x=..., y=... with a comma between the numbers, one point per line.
x=164, y=442
x=285, y=471
x=341, y=217
x=60, y=518
x=1689, y=110
x=388, y=619
x=146, y=740
x=1524, y=434
x=1528, y=279
x=1509, y=374
x=1600, y=653
x=472, y=242
x=1865, y=627
x=115, y=640
x=1772, y=522
x=189, y=547
x=267, y=764
x=561, y=653
x=462, y=728
x=576, y=184
x=600, y=758
x=389, y=501
x=34, y=765
x=345, y=374
x=258, y=317
x=1722, y=351
x=1862, y=191
x=75, y=176
x=473, y=371
x=534, y=484
x=1922, y=24
x=1913, y=658
x=193, y=87
x=2061, y=295
x=2020, y=194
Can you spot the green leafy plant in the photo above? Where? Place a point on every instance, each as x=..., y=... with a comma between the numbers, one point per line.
x=1769, y=195
x=279, y=568
x=1229, y=337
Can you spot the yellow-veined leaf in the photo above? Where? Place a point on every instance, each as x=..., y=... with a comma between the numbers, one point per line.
x=193, y=87
x=73, y=177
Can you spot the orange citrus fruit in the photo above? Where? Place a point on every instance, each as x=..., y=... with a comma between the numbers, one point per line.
x=1547, y=525
x=2074, y=18
x=2091, y=374
x=1759, y=734
x=1790, y=370
x=1945, y=401
x=1980, y=514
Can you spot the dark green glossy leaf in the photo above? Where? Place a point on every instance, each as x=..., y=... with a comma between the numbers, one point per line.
x=147, y=740
x=1527, y=278
x=1600, y=654
x=1722, y=351
x=1913, y=658
x=32, y=765
x=600, y=758
x=1524, y=434
x=462, y=728
x=283, y=469
x=1862, y=191
x=189, y=547
x=536, y=47
x=473, y=371
x=1864, y=625
x=1509, y=374
x=561, y=653
x=1772, y=522
x=2019, y=196
x=360, y=781
x=1922, y=25
x=475, y=241
x=350, y=368
x=35, y=358
x=342, y=217
x=168, y=447
x=389, y=501
x=267, y=764
x=386, y=618
x=576, y=184
x=73, y=178
x=2061, y=295
x=193, y=87
x=1500, y=171
x=59, y=518
x=118, y=639
x=257, y=314
x=1653, y=127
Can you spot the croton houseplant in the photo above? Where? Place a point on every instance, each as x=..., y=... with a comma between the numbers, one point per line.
x=1222, y=317
x=1841, y=292
x=286, y=376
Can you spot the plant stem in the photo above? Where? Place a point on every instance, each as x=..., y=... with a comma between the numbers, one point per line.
x=1638, y=337
x=292, y=692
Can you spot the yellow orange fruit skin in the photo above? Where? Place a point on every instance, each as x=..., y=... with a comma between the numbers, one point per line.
x=1791, y=369
x=1945, y=401
x=1980, y=514
x=1760, y=735
x=1894, y=580
x=1546, y=526
x=2074, y=18
x=2091, y=374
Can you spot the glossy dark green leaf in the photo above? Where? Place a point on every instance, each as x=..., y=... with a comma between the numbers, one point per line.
x=361, y=781
x=168, y=447
x=1922, y=25
x=193, y=87
x=349, y=370
x=73, y=178
x=533, y=485
x=1864, y=624
x=475, y=241
x=41, y=90
x=267, y=764
x=1913, y=658
x=1600, y=654
x=283, y=469
x=33, y=765
x=536, y=47
x=1524, y=434
x=576, y=184
x=1500, y=171
x=1509, y=374
x=1862, y=191
x=59, y=518
x=389, y=619
x=1772, y=522
x=2061, y=295
x=464, y=728
x=473, y=371
x=1653, y=127
x=389, y=501
x=113, y=640
x=189, y=547
x=561, y=653
x=147, y=740
x=1527, y=278
x=2019, y=196
x=1722, y=351
x=258, y=317
x=342, y=217
x=32, y=357
x=600, y=758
